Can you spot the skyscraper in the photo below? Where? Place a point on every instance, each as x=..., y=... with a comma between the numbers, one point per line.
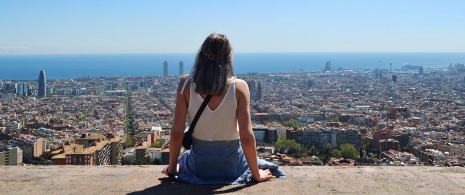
x=42, y=84
x=394, y=78
x=328, y=66
x=165, y=68
x=20, y=89
x=181, y=68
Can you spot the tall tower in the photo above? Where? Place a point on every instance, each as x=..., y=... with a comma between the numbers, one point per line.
x=252, y=89
x=181, y=68
x=420, y=70
x=390, y=67
x=394, y=78
x=328, y=66
x=165, y=68
x=42, y=84
x=20, y=89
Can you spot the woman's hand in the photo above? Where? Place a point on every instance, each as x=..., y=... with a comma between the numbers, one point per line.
x=168, y=172
x=264, y=175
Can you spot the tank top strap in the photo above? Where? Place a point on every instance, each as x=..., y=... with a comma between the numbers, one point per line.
x=185, y=83
x=233, y=79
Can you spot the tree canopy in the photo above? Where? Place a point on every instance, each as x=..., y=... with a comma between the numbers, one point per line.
x=336, y=153
x=291, y=123
x=348, y=151
x=157, y=144
x=287, y=146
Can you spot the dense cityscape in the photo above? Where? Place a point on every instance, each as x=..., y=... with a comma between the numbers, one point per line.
x=409, y=116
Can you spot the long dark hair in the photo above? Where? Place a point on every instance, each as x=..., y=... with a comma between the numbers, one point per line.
x=213, y=65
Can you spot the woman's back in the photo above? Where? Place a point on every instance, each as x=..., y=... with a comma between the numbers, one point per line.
x=215, y=124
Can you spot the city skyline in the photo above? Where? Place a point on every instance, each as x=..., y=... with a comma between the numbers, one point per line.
x=91, y=27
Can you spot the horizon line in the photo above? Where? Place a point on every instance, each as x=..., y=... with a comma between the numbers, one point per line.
x=18, y=54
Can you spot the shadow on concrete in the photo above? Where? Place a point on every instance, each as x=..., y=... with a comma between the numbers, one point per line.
x=173, y=186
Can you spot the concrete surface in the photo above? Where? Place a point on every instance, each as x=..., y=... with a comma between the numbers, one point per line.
x=301, y=180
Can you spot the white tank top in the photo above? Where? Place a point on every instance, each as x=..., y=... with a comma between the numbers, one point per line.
x=214, y=125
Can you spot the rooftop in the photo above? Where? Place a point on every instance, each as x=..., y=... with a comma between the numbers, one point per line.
x=300, y=180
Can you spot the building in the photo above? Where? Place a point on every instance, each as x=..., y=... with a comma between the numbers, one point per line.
x=13, y=125
x=94, y=149
x=20, y=89
x=255, y=88
x=328, y=66
x=457, y=149
x=252, y=89
x=11, y=156
x=388, y=144
x=116, y=150
x=141, y=151
x=181, y=68
x=394, y=78
x=384, y=133
x=403, y=139
x=42, y=84
x=348, y=136
x=308, y=83
x=39, y=147
x=272, y=135
x=260, y=132
x=160, y=155
x=165, y=68
x=320, y=138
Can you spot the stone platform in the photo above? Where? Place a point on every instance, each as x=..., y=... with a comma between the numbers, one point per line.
x=33, y=180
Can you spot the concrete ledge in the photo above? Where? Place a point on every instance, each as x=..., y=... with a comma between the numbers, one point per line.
x=301, y=180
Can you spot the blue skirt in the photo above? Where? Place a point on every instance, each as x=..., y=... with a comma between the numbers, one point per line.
x=218, y=162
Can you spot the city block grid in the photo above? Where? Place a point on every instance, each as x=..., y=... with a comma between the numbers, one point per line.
x=407, y=118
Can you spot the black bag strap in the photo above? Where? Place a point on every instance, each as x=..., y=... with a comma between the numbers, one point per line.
x=199, y=112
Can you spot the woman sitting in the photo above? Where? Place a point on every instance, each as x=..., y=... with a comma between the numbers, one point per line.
x=223, y=144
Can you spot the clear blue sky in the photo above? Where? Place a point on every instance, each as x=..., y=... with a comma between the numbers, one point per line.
x=56, y=27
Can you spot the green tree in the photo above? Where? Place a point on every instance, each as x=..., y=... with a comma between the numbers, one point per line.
x=47, y=156
x=335, y=119
x=336, y=153
x=128, y=141
x=287, y=146
x=157, y=144
x=291, y=123
x=327, y=148
x=348, y=151
x=371, y=155
x=144, y=161
x=313, y=151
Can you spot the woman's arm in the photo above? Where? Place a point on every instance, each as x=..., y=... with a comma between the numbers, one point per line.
x=245, y=132
x=179, y=121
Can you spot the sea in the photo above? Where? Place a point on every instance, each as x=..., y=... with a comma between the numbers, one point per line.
x=68, y=66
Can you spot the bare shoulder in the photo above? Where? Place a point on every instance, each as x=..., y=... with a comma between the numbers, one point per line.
x=182, y=81
x=184, y=78
x=241, y=87
x=241, y=84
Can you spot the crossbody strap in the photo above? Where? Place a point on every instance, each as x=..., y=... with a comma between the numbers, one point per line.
x=199, y=112
x=196, y=118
